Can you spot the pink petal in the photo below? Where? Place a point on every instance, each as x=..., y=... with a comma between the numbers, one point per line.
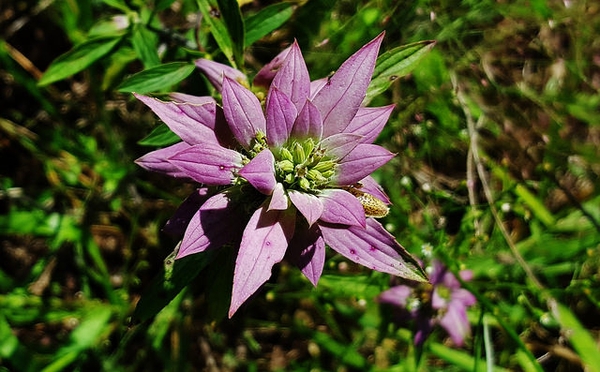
x=344, y=92
x=308, y=123
x=260, y=172
x=369, y=121
x=396, y=296
x=177, y=224
x=463, y=297
x=466, y=275
x=264, y=243
x=341, y=207
x=193, y=123
x=242, y=111
x=310, y=206
x=281, y=114
x=223, y=132
x=307, y=251
x=217, y=222
x=215, y=72
x=265, y=76
x=208, y=164
x=370, y=186
x=279, y=200
x=292, y=78
x=189, y=98
x=372, y=247
x=316, y=86
x=361, y=162
x=456, y=323
x=157, y=161
x=339, y=145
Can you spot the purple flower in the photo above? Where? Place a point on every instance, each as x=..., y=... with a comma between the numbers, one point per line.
x=292, y=177
x=442, y=301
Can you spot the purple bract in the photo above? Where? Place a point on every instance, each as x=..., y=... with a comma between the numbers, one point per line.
x=275, y=175
x=442, y=302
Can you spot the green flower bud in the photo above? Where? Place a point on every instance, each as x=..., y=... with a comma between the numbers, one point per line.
x=289, y=178
x=299, y=154
x=325, y=165
x=309, y=146
x=286, y=154
x=328, y=174
x=315, y=175
x=304, y=184
x=286, y=165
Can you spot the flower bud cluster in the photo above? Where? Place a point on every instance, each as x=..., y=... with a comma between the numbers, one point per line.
x=303, y=165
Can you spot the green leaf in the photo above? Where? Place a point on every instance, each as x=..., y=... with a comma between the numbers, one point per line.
x=92, y=326
x=396, y=63
x=108, y=26
x=85, y=336
x=161, y=5
x=78, y=59
x=578, y=336
x=235, y=25
x=118, y=4
x=11, y=348
x=349, y=286
x=460, y=359
x=159, y=137
x=157, y=78
x=226, y=26
x=267, y=20
x=35, y=222
x=159, y=329
x=169, y=283
x=537, y=206
x=347, y=354
x=145, y=43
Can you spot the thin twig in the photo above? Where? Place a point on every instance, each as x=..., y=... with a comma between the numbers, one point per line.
x=23, y=61
x=482, y=173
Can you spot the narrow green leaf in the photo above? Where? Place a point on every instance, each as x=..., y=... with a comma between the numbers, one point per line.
x=578, y=336
x=78, y=59
x=396, y=63
x=163, y=321
x=35, y=222
x=118, y=4
x=537, y=206
x=115, y=67
x=235, y=25
x=216, y=19
x=157, y=78
x=460, y=359
x=92, y=326
x=160, y=5
x=145, y=44
x=345, y=286
x=267, y=20
x=11, y=348
x=85, y=336
x=169, y=283
x=62, y=362
x=347, y=354
x=159, y=137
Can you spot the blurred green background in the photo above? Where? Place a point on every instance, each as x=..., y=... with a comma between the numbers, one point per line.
x=497, y=132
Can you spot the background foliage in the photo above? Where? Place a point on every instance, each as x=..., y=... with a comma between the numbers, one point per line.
x=497, y=135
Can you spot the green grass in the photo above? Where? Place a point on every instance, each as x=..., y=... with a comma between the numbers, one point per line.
x=497, y=171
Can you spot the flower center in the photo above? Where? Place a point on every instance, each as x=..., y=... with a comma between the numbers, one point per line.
x=303, y=165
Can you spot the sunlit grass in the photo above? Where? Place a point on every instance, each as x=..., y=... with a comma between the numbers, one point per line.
x=497, y=138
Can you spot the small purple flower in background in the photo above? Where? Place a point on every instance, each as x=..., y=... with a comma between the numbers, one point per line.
x=442, y=301
x=290, y=178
